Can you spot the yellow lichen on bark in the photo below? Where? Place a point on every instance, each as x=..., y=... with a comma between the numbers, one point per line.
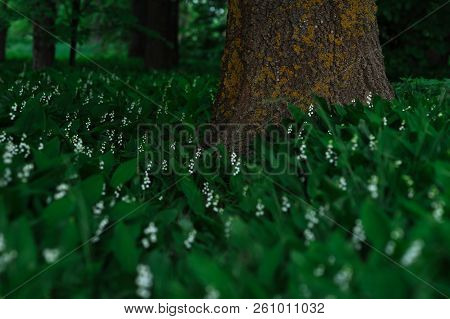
x=308, y=38
x=235, y=11
x=327, y=59
x=354, y=12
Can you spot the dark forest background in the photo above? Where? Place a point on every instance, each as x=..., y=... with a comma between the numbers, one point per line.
x=190, y=33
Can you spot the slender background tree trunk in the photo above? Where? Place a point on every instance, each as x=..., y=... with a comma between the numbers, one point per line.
x=280, y=52
x=43, y=42
x=3, y=35
x=74, y=25
x=162, y=47
x=138, y=36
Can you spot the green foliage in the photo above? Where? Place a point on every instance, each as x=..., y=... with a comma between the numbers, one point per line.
x=372, y=187
x=424, y=48
x=203, y=25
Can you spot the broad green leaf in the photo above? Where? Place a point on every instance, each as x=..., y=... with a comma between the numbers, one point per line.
x=192, y=194
x=32, y=119
x=91, y=189
x=375, y=223
x=124, y=173
x=167, y=216
x=59, y=209
x=210, y=273
x=124, y=248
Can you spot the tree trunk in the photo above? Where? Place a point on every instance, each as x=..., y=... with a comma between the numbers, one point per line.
x=43, y=41
x=74, y=24
x=3, y=35
x=280, y=52
x=162, y=47
x=138, y=37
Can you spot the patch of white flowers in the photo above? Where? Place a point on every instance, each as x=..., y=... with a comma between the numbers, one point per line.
x=342, y=183
x=193, y=160
x=12, y=113
x=410, y=183
x=2, y=243
x=25, y=173
x=147, y=182
x=259, y=208
x=285, y=204
x=6, y=257
x=245, y=190
x=438, y=210
x=79, y=147
x=437, y=204
x=144, y=281
x=228, y=225
x=212, y=198
x=151, y=233
x=61, y=191
x=372, y=186
x=117, y=191
x=51, y=255
x=354, y=143
x=396, y=235
x=6, y=178
x=98, y=208
x=302, y=155
x=406, y=108
x=412, y=253
x=311, y=110
x=24, y=148
x=312, y=219
x=358, y=234
x=369, y=100
x=212, y=293
x=191, y=166
x=88, y=124
x=330, y=154
x=10, y=151
x=343, y=277
x=128, y=199
x=373, y=143
x=290, y=128
x=164, y=165
x=304, y=290
x=235, y=163
x=3, y=137
x=101, y=227
x=319, y=271
x=390, y=247
x=190, y=239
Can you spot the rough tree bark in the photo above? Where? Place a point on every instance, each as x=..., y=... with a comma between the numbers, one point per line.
x=3, y=35
x=74, y=25
x=138, y=38
x=287, y=51
x=162, y=48
x=43, y=41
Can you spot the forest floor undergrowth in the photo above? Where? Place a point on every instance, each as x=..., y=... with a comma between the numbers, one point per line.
x=360, y=208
